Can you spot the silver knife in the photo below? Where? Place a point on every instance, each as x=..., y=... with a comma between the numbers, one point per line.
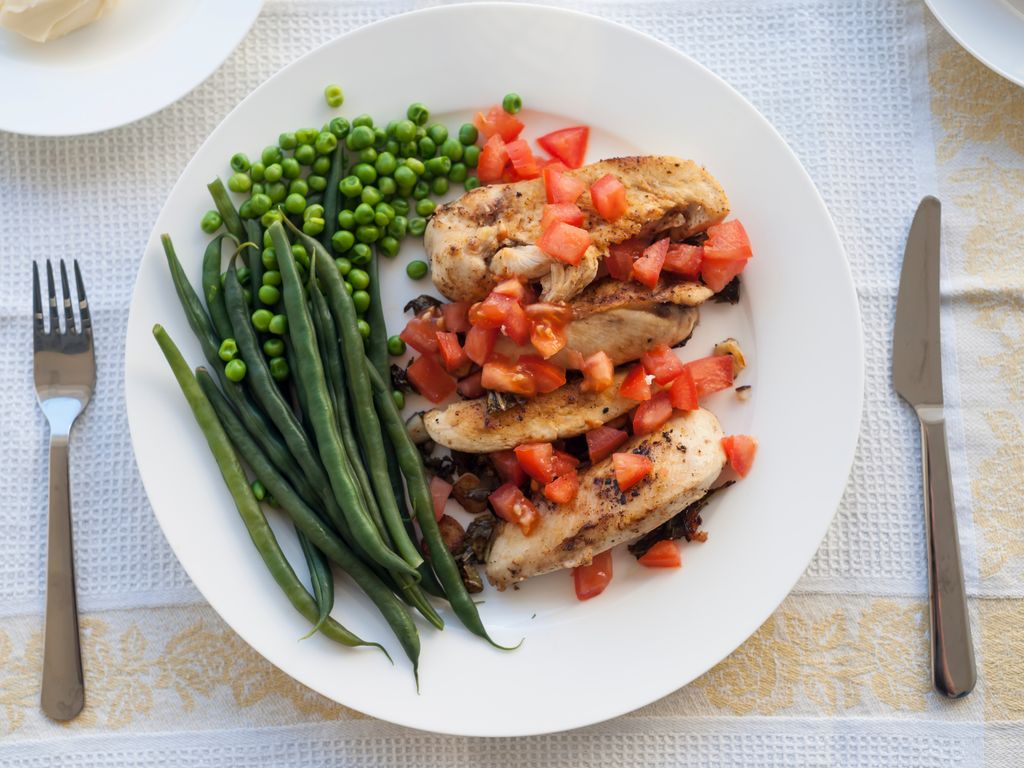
x=917, y=376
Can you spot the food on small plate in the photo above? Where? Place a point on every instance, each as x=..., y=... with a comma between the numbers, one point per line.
x=497, y=231
x=44, y=20
x=664, y=472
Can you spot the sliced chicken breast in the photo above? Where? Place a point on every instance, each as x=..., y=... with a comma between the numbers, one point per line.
x=491, y=232
x=687, y=457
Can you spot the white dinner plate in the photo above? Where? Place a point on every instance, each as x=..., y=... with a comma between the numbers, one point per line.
x=651, y=631
x=990, y=30
x=138, y=58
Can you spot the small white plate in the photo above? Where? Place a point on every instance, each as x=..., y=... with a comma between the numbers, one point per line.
x=138, y=58
x=992, y=31
x=650, y=632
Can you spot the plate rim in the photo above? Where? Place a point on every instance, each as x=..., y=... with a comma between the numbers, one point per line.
x=940, y=10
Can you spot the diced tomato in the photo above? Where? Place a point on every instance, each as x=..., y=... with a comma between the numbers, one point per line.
x=522, y=158
x=564, y=242
x=560, y=187
x=544, y=162
x=630, y=469
x=547, y=377
x=684, y=392
x=598, y=372
x=741, y=450
x=635, y=385
x=497, y=121
x=664, y=554
x=559, y=314
x=514, y=288
x=490, y=313
x=516, y=324
x=711, y=374
x=602, y=442
x=502, y=375
x=717, y=273
x=456, y=316
x=574, y=360
x=591, y=580
x=511, y=505
x=430, y=379
x=493, y=159
x=684, y=260
x=647, y=269
x=535, y=459
x=562, y=463
x=421, y=335
x=567, y=144
x=608, y=195
x=652, y=414
x=570, y=213
x=439, y=492
x=508, y=467
x=480, y=343
x=509, y=175
x=547, y=338
x=452, y=353
x=621, y=256
x=470, y=386
x=662, y=363
x=563, y=490
x=727, y=240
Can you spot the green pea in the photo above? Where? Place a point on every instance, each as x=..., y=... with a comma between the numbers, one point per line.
x=421, y=190
x=257, y=171
x=371, y=196
x=316, y=183
x=279, y=368
x=398, y=397
x=235, y=370
x=439, y=166
x=360, y=137
x=361, y=254
x=386, y=209
x=408, y=149
x=396, y=346
x=381, y=220
x=350, y=186
x=398, y=227
x=438, y=132
x=363, y=214
x=261, y=319
x=240, y=162
x=512, y=103
x=274, y=214
x=346, y=220
x=321, y=166
x=334, y=96
x=305, y=154
x=239, y=182
x=386, y=185
x=344, y=265
x=368, y=233
x=362, y=301
x=427, y=147
x=339, y=127
x=417, y=226
x=245, y=210
x=365, y=172
x=278, y=325
x=472, y=183
x=313, y=211
x=386, y=164
x=298, y=187
x=268, y=241
x=277, y=192
x=405, y=130
x=273, y=347
x=274, y=172
x=260, y=204
x=452, y=149
x=471, y=156
x=290, y=168
x=243, y=275
x=271, y=154
x=468, y=134
x=342, y=240
x=364, y=328
x=425, y=207
x=368, y=155
x=359, y=279
x=417, y=269
x=380, y=138
x=439, y=186
x=388, y=245
x=313, y=226
x=210, y=222
x=458, y=173
x=363, y=119
x=269, y=258
x=401, y=206
x=405, y=176
x=228, y=350
x=272, y=277
x=258, y=189
x=306, y=135
x=295, y=203
x=325, y=143
x=247, y=295
x=287, y=141
x=418, y=113
x=258, y=490
x=349, y=288
x=269, y=295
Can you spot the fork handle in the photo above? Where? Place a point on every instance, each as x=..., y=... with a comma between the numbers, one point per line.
x=63, y=688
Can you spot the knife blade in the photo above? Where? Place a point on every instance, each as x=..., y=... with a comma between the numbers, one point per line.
x=917, y=378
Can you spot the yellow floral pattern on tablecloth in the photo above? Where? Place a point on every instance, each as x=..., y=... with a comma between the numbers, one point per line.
x=1002, y=662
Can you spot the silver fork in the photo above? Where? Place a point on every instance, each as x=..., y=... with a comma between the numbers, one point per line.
x=65, y=377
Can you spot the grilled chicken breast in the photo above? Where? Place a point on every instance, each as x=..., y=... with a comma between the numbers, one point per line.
x=687, y=456
x=491, y=232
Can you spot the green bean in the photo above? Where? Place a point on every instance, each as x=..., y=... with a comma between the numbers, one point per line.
x=249, y=509
x=331, y=194
x=320, y=578
x=419, y=491
x=212, y=288
x=226, y=208
x=254, y=235
x=310, y=523
x=335, y=459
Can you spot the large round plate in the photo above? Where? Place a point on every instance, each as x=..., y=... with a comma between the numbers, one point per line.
x=650, y=632
x=992, y=31
x=137, y=59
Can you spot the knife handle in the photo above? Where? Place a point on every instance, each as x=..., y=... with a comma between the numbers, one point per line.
x=953, y=669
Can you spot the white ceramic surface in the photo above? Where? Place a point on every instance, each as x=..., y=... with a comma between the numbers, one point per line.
x=990, y=30
x=138, y=58
x=650, y=632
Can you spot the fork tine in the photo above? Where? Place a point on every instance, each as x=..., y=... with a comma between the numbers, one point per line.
x=69, y=315
x=37, y=302
x=54, y=318
x=83, y=303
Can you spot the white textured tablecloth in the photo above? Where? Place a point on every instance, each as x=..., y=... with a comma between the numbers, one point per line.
x=837, y=677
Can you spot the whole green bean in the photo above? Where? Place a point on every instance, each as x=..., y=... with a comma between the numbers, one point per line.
x=331, y=194
x=212, y=289
x=419, y=491
x=311, y=379
x=320, y=578
x=254, y=234
x=309, y=522
x=249, y=509
x=226, y=208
